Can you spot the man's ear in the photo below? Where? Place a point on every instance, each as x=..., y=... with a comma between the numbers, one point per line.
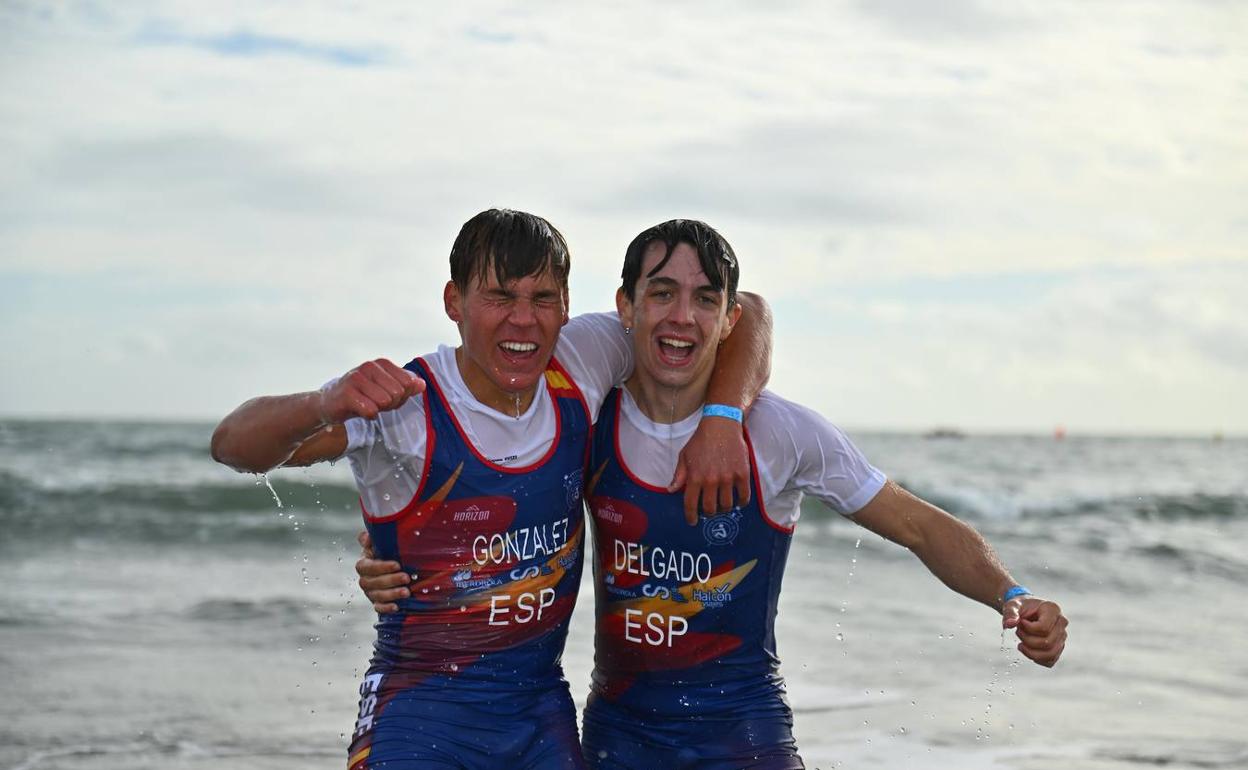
x=453, y=301
x=624, y=307
x=734, y=315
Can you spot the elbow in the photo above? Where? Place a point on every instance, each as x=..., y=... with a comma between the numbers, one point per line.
x=754, y=302
x=224, y=450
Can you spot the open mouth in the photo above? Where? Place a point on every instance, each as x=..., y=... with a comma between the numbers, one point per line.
x=675, y=351
x=518, y=351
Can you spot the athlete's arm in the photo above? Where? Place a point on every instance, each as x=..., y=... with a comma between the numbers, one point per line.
x=305, y=428
x=716, y=461
x=964, y=561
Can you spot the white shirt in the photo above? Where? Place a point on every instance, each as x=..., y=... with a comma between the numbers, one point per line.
x=797, y=451
x=387, y=454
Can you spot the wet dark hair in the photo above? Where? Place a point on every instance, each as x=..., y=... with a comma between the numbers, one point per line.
x=717, y=258
x=513, y=244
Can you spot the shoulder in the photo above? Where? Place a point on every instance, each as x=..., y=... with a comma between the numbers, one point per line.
x=776, y=419
x=774, y=415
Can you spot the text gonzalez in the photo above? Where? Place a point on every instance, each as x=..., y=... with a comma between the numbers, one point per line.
x=519, y=545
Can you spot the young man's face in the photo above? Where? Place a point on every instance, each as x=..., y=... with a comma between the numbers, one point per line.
x=508, y=331
x=678, y=319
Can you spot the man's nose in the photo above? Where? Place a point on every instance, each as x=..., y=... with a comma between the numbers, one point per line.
x=681, y=311
x=522, y=312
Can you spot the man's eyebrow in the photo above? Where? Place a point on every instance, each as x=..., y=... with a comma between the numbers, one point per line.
x=662, y=279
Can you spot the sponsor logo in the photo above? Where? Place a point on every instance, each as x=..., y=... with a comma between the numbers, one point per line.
x=663, y=592
x=715, y=598
x=521, y=573
x=472, y=513
x=660, y=591
x=472, y=584
x=569, y=561
x=608, y=513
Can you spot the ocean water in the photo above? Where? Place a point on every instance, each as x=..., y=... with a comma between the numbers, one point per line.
x=160, y=611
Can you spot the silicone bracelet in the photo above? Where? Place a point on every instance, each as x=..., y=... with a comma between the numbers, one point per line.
x=1014, y=592
x=722, y=410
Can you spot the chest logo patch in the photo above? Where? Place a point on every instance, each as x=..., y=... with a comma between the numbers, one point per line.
x=723, y=528
x=572, y=484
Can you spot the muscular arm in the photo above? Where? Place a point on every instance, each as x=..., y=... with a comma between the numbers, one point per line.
x=269, y=431
x=951, y=549
x=305, y=428
x=963, y=560
x=715, y=462
x=743, y=364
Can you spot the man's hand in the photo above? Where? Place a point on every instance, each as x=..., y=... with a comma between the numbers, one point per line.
x=367, y=390
x=384, y=582
x=714, y=463
x=1040, y=627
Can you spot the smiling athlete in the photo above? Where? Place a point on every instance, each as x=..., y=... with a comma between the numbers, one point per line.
x=469, y=462
x=686, y=674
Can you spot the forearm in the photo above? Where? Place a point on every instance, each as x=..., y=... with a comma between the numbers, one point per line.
x=264, y=432
x=743, y=365
x=962, y=559
x=951, y=549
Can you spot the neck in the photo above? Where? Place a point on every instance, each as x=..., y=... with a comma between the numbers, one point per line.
x=510, y=403
x=665, y=404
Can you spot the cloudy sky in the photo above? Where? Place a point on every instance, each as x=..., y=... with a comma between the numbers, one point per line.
x=985, y=215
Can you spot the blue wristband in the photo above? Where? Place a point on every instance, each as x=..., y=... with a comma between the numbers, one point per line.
x=722, y=410
x=1014, y=593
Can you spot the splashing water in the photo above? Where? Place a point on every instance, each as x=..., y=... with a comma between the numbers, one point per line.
x=264, y=479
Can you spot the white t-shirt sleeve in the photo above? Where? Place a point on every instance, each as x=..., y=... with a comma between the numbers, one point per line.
x=799, y=452
x=387, y=456
x=598, y=355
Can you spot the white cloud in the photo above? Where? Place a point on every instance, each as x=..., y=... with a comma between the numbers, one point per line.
x=295, y=180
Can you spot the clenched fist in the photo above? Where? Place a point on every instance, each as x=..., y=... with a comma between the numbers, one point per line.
x=367, y=390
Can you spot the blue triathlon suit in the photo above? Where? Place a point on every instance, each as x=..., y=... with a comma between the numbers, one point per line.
x=685, y=668
x=467, y=673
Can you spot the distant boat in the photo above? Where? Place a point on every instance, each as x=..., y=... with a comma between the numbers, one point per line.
x=944, y=433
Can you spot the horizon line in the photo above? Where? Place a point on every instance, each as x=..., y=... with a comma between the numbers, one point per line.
x=1067, y=431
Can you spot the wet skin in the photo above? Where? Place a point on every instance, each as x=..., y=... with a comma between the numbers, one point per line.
x=509, y=333
x=678, y=321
